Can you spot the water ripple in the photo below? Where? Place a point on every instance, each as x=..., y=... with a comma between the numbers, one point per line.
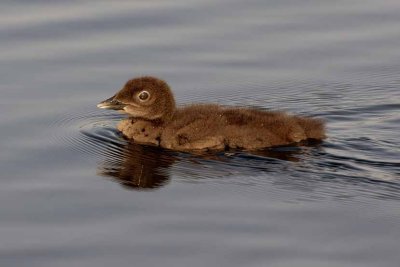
x=323, y=169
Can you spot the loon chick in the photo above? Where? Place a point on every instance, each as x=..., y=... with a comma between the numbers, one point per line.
x=155, y=119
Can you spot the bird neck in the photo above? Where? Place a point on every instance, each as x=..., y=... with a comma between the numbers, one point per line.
x=169, y=109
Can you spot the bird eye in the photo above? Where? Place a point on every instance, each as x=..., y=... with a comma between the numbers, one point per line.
x=144, y=95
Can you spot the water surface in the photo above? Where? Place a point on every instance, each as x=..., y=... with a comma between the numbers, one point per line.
x=75, y=193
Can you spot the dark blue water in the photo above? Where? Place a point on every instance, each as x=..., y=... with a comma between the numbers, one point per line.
x=73, y=192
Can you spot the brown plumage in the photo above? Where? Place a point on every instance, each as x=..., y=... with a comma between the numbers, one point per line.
x=156, y=120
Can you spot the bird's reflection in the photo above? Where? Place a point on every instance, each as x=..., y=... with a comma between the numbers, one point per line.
x=141, y=167
x=138, y=167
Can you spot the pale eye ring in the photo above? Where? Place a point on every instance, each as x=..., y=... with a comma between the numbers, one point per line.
x=143, y=96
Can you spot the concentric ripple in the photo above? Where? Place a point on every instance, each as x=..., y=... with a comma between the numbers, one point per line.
x=340, y=166
x=89, y=132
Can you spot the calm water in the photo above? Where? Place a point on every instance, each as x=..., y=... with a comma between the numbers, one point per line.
x=74, y=193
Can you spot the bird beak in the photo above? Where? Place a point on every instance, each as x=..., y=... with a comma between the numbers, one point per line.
x=111, y=103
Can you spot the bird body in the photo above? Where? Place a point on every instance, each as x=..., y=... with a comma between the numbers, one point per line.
x=155, y=120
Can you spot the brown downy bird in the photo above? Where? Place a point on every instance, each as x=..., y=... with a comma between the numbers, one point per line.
x=155, y=119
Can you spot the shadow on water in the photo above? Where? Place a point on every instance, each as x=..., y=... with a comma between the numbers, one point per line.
x=306, y=168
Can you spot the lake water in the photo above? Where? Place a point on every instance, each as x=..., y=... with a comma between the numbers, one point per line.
x=74, y=193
